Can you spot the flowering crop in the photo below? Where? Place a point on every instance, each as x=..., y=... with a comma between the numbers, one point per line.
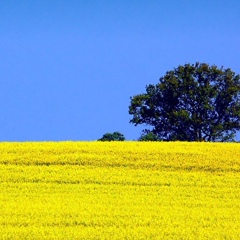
x=119, y=190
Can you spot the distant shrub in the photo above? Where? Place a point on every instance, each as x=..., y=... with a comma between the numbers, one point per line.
x=149, y=137
x=116, y=136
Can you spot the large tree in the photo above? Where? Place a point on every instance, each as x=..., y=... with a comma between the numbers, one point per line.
x=194, y=102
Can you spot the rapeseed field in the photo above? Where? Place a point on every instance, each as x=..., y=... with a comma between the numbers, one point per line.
x=119, y=190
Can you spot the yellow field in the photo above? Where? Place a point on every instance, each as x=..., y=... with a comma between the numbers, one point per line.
x=119, y=190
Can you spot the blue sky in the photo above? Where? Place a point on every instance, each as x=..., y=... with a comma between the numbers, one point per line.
x=68, y=68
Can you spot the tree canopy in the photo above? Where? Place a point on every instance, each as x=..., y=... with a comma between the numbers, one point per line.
x=116, y=136
x=149, y=137
x=193, y=102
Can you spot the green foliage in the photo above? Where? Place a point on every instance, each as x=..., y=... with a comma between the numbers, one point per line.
x=191, y=103
x=116, y=136
x=149, y=137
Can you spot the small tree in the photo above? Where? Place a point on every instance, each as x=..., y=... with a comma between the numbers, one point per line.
x=116, y=136
x=149, y=137
x=191, y=103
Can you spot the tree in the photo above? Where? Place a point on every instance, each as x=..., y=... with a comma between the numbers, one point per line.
x=116, y=136
x=149, y=137
x=194, y=102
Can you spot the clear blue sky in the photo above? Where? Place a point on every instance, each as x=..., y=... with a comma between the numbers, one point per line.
x=68, y=67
